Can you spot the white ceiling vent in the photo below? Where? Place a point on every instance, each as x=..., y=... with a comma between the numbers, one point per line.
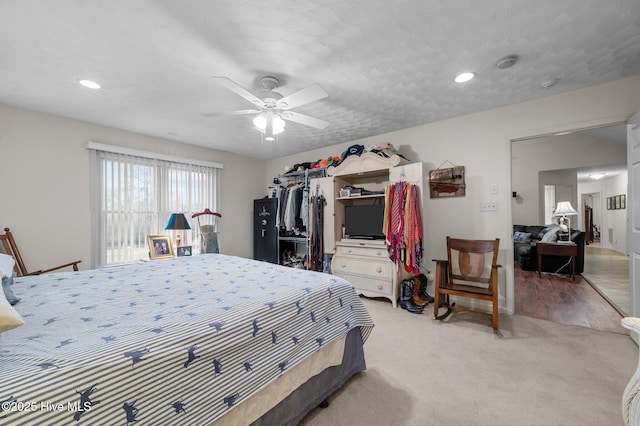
x=549, y=83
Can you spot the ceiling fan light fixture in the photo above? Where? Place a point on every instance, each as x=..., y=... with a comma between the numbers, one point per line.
x=269, y=122
x=260, y=121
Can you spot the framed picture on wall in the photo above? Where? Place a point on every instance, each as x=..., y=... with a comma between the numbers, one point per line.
x=608, y=203
x=448, y=182
x=617, y=198
x=623, y=201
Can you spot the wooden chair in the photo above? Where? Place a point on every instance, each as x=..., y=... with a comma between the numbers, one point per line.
x=469, y=271
x=8, y=246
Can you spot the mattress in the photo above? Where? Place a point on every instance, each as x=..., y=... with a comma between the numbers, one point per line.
x=174, y=341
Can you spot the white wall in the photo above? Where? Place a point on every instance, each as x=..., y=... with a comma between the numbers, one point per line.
x=482, y=143
x=532, y=156
x=44, y=185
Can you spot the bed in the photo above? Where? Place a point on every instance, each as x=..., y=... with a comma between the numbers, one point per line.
x=208, y=340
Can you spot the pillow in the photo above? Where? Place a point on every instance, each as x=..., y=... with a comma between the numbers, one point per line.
x=9, y=318
x=8, y=292
x=522, y=236
x=550, y=236
x=6, y=265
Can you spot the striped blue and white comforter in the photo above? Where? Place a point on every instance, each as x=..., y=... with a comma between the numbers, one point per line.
x=177, y=341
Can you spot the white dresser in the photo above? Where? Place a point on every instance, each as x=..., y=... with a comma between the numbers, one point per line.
x=366, y=265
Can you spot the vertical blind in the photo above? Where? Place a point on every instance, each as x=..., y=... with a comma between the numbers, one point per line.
x=133, y=196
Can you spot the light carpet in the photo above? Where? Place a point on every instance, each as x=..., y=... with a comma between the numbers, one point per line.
x=459, y=372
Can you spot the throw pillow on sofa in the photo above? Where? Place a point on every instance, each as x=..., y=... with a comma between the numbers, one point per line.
x=522, y=237
x=550, y=234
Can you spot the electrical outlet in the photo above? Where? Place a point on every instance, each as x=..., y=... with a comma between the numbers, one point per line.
x=489, y=206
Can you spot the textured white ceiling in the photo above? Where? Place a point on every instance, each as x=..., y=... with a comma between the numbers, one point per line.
x=386, y=65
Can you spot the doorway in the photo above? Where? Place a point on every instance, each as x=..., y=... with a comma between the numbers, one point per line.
x=562, y=163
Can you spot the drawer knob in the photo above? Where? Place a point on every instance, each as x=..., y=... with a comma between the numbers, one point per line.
x=379, y=286
x=349, y=251
x=379, y=253
x=344, y=265
x=379, y=270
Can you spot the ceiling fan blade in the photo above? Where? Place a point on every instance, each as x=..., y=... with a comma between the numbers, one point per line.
x=226, y=113
x=303, y=96
x=296, y=117
x=239, y=90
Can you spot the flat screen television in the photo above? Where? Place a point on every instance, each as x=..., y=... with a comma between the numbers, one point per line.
x=364, y=221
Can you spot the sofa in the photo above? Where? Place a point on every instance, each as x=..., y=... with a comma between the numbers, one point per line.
x=525, y=239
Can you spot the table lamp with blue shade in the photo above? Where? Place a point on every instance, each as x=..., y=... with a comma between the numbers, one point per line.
x=177, y=222
x=564, y=209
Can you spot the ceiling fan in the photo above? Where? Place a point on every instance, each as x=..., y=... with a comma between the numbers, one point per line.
x=272, y=108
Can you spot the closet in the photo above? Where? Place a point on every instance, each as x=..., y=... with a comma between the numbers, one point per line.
x=288, y=223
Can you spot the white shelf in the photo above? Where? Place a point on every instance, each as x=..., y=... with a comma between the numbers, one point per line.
x=294, y=239
x=357, y=197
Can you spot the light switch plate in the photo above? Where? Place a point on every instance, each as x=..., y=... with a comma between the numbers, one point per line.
x=489, y=206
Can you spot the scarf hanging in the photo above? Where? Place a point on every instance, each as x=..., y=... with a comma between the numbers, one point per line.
x=403, y=227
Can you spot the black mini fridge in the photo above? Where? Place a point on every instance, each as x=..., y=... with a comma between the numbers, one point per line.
x=265, y=233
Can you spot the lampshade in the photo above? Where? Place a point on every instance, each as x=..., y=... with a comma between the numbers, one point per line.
x=177, y=221
x=564, y=208
x=269, y=123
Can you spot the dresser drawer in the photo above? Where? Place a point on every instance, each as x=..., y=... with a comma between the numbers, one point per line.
x=368, y=285
x=370, y=267
x=378, y=252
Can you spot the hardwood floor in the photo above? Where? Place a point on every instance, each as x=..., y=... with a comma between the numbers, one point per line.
x=557, y=298
x=608, y=271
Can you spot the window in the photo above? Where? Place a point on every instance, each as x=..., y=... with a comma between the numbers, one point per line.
x=133, y=195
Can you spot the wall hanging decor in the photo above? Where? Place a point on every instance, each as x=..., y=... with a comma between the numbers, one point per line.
x=617, y=202
x=447, y=182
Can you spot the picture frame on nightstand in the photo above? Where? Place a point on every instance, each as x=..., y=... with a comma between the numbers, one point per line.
x=160, y=247
x=184, y=251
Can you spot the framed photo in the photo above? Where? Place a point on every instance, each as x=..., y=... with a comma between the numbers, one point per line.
x=160, y=247
x=617, y=197
x=184, y=251
x=608, y=203
x=623, y=201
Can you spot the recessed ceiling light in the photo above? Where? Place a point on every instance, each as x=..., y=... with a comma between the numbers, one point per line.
x=597, y=176
x=90, y=84
x=464, y=77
